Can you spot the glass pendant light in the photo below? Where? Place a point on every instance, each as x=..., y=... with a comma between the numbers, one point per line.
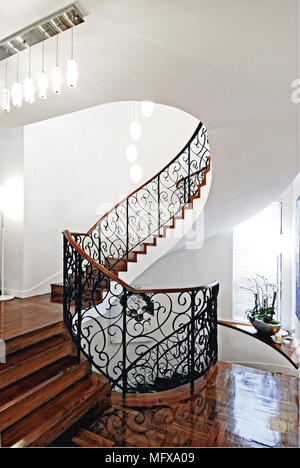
x=29, y=90
x=17, y=89
x=5, y=94
x=147, y=108
x=131, y=152
x=43, y=81
x=72, y=70
x=56, y=73
x=136, y=173
x=135, y=128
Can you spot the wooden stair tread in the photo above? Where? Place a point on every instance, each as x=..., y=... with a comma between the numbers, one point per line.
x=85, y=438
x=27, y=339
x=46, y=423
x=30, y=351
x=24, y=396
x=28, y=360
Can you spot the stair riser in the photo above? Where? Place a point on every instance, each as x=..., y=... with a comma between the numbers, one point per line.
x=42, y=395
x=19, y=371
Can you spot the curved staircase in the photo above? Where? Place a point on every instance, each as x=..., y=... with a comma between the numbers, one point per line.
x=143, y=340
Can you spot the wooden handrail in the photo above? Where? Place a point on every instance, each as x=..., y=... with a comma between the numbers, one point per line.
x=199, y=126
x=192, y=175
x=115, y=278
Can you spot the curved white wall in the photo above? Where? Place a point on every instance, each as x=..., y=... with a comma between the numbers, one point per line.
x=239, y=348
x=75, y=168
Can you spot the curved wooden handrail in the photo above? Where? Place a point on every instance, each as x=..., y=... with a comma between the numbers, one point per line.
x=113, y=277
x=250, y=331
x=199, y=126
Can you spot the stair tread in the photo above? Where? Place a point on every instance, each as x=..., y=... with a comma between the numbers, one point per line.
x=33, y=350
x=61, y=411
x=22, y=397
x=86, y=438
x=24, y=340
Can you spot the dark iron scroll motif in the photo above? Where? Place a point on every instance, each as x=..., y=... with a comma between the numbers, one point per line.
x=141, y=340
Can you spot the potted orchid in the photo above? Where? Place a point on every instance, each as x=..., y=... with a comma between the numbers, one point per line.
x=262, y=316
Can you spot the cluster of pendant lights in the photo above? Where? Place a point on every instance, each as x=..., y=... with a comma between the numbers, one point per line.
x=135, y=131
x=26, y=90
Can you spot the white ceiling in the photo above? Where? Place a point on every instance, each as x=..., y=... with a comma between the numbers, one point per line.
x=221, y=61
x=230, y=63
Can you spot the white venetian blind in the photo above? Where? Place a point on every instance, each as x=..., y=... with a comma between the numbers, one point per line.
x=256, y=250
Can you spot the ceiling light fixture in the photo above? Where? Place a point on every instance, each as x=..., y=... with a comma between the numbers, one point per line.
x=59, y=22
x=6, y=93
x=131, y=153
x=147, y=108
x=135, y=128
x=136, y=173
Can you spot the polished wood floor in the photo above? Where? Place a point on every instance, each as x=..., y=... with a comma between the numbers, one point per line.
x=233, y=406
x=236, y=407
x=22, y=316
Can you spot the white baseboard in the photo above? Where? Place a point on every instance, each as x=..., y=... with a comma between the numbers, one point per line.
x=42, y=288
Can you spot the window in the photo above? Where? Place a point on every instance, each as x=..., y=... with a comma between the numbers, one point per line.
x=298, y=258
x=256, y=250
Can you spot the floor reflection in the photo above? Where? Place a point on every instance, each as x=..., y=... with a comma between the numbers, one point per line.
x=238, y=407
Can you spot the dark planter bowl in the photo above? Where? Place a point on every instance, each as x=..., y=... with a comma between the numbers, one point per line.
x=267, y=329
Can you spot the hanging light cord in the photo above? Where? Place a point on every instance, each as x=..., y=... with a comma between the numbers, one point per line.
x=6, y=73
x=57, y=50
x=17, y=68
x=72, y=44
x=43, y=56
x=29, y=64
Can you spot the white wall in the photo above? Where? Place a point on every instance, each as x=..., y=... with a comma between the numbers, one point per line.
x=11, y=203
x=197, y=267
x=75, y=169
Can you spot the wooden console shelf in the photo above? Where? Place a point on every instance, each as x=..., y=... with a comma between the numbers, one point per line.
x=289, y=351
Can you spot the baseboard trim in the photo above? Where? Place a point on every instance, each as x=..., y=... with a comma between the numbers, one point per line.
x=41, y=288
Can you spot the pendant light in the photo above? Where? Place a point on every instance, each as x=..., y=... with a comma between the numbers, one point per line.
x=17, y=89
x=43, y=82
x=136, y=173
x=56, y=73
x=131, y=153
x=72, y=70
x=147, y=108
x=29, y=90
x=135, y=128
x=6, y=93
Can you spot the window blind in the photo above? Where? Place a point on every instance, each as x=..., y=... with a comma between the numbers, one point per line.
x=256, y=250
